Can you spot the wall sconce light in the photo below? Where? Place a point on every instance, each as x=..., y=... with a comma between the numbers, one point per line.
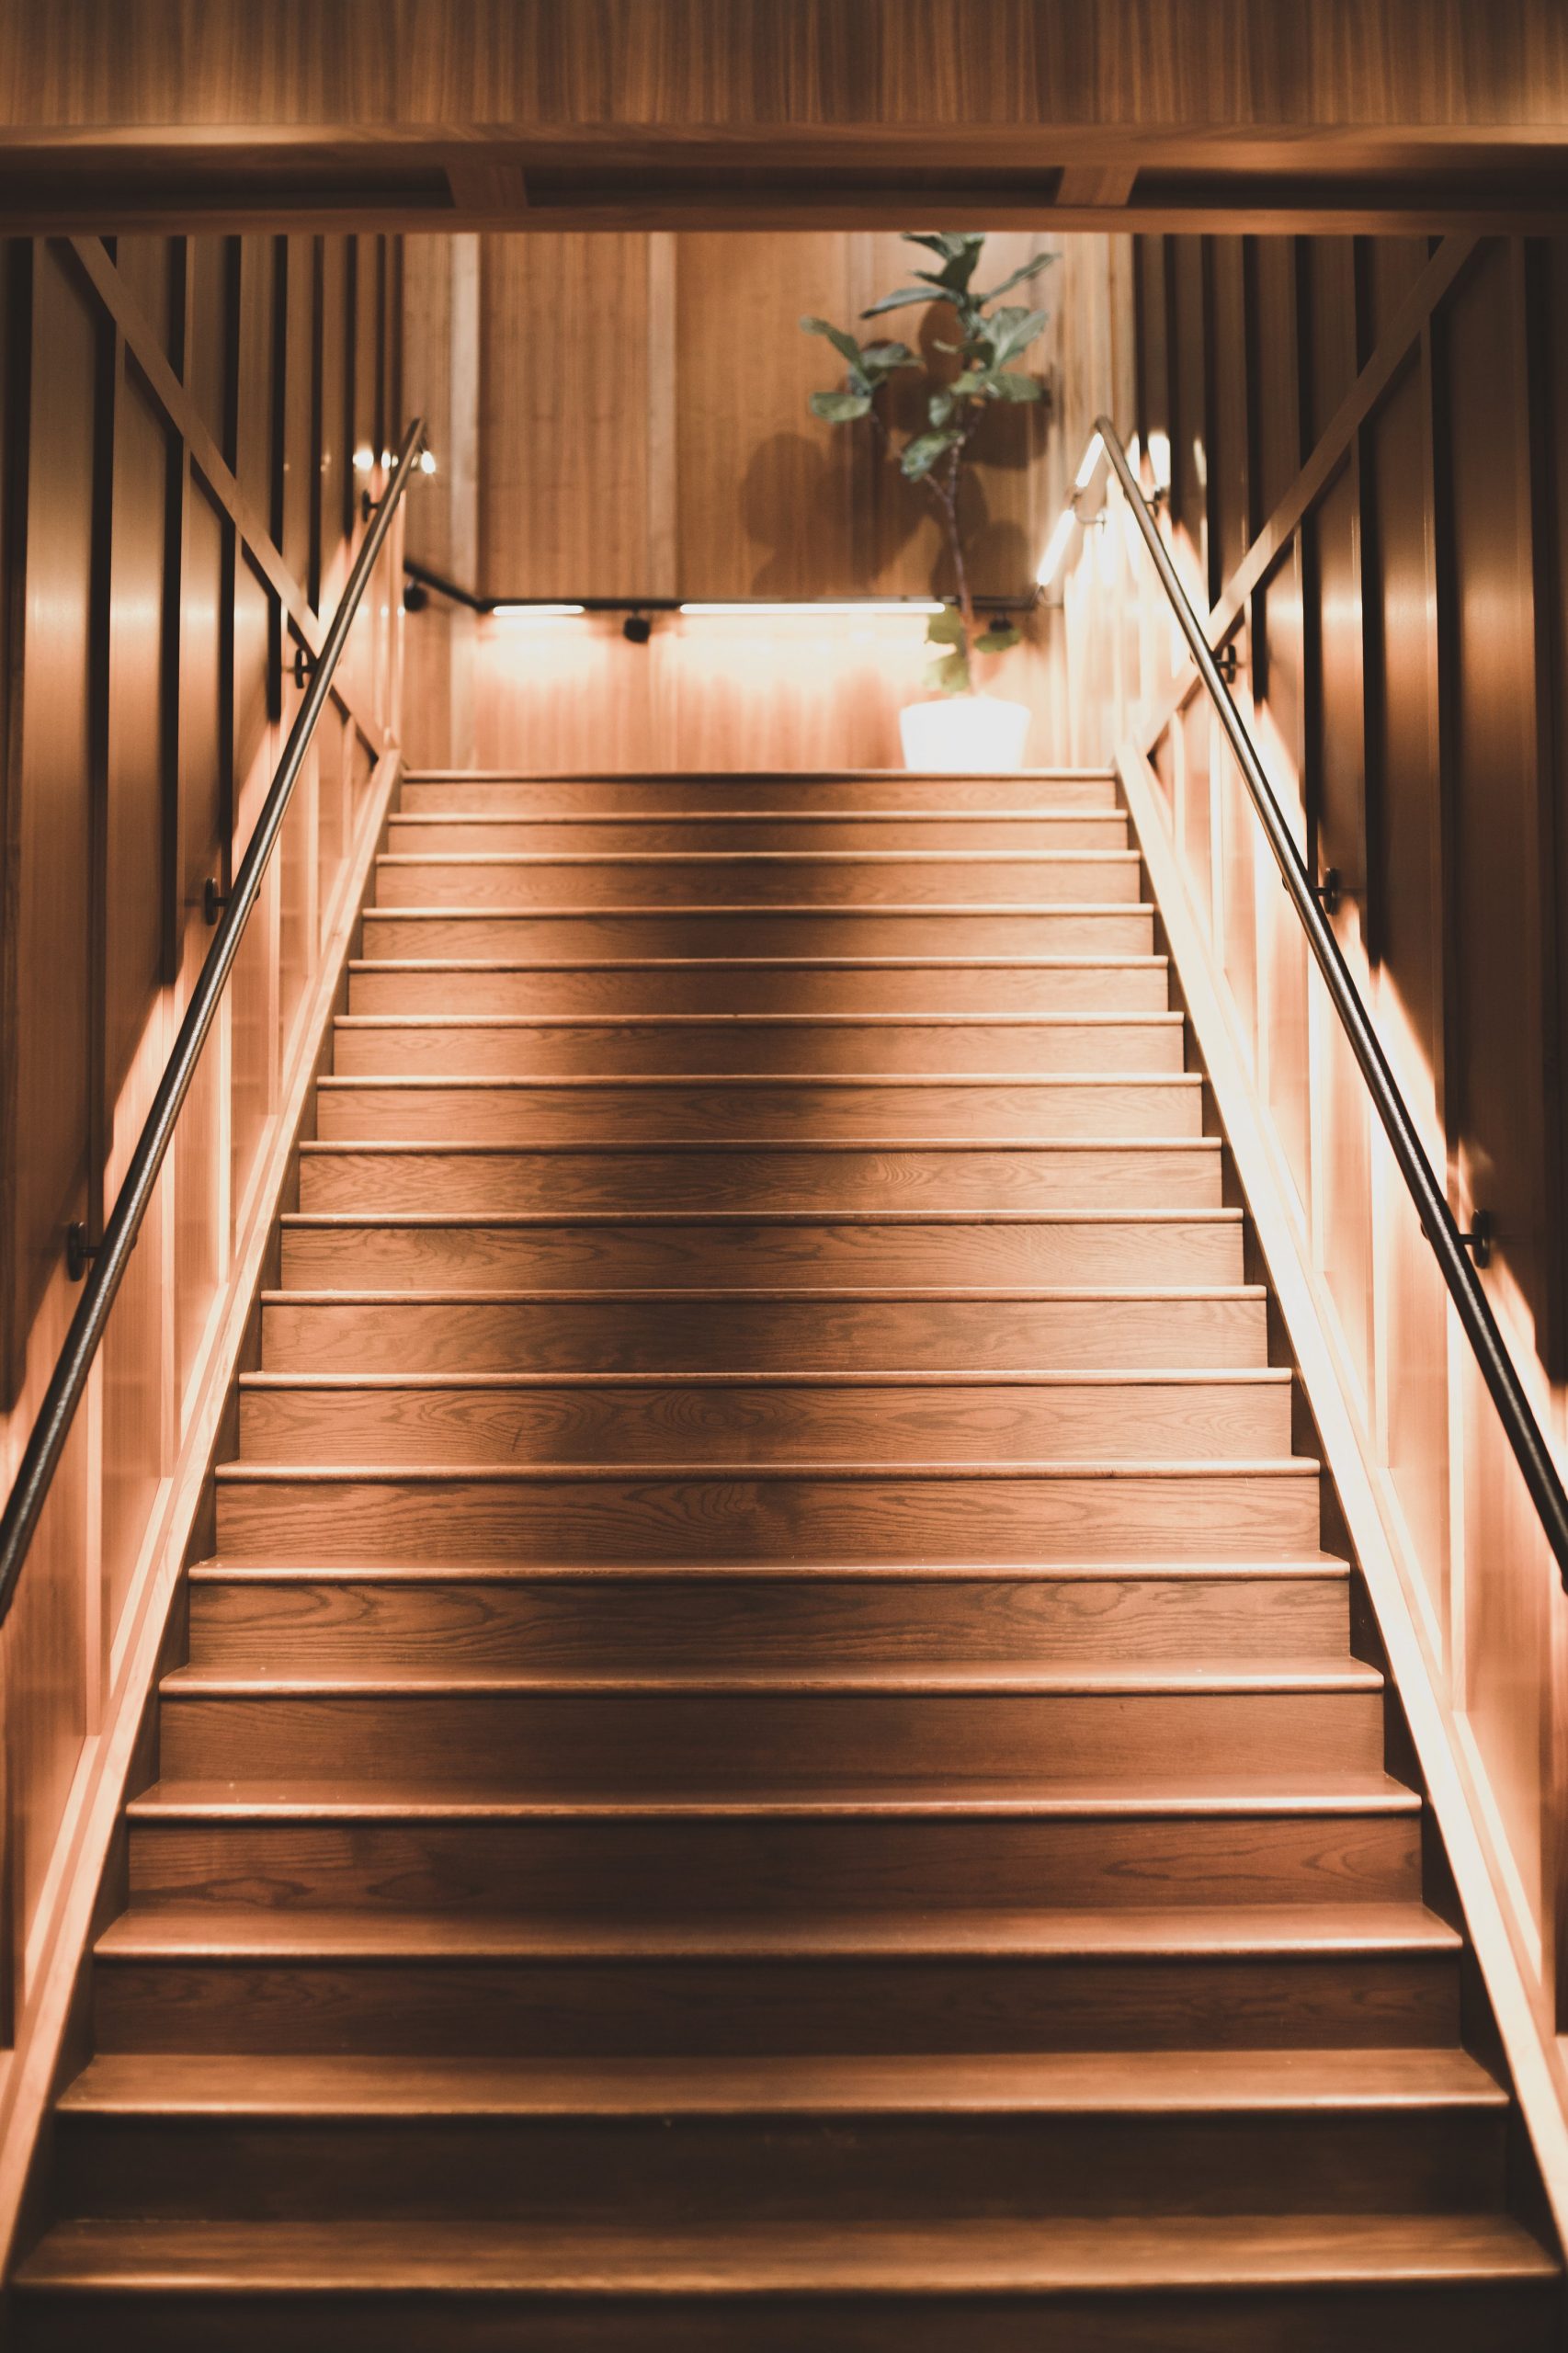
x=637, y=629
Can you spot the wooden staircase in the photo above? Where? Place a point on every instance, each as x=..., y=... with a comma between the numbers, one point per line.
x=769, y=1755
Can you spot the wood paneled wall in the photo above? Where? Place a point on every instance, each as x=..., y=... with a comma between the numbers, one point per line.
x=642, y=430
x=629, y=114
x=178, y=496
x=1362, y=443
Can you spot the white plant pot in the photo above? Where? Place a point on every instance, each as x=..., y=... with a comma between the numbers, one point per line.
x=978, y=735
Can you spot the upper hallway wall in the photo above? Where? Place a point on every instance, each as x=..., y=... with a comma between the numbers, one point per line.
x=627, y=417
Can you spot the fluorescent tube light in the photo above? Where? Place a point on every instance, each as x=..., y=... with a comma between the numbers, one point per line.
x=862, y=605
x=1057, y=548
x=1086, y=473
x=534, y=612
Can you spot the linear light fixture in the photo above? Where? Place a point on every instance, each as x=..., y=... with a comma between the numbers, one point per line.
x=1091, y=459
x=535, y=612
x=1056, y=548
x=860, y=605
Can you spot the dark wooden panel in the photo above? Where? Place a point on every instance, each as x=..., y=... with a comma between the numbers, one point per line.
x=335, y=472
x=140, y=767
x=153, y=268
x=1496, y=1040
x=1189, y=399
x=203, y=768
x=1154, y=355
x=1387, y=267
x=212, y=270
x=256, y=412
x=1230, y=455
x=297, y=448
x=1334, y=717
x=53, y=827
x=1275, y=367
x=1330, y=345
x=1400, y=587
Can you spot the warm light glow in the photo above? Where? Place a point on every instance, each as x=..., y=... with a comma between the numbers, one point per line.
x=535, y=612
x=1050, y=561
x=364, y=459
x=862, y=606
x=426, y=462
x=1086, y=473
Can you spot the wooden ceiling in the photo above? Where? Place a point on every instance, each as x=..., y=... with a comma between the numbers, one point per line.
x=1287, y=114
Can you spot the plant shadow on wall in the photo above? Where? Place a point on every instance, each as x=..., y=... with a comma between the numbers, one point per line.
x=963, y=395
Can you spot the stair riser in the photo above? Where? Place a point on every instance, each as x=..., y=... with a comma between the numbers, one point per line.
x=800, y=1179
x=573, y=2008
x=433, y=834
x=468, y=1258
x=1129, y=988
x=1168, y=1421
x=590, y=1050
x=1396, y=2318
x=718, y=1334
x=663, y=1869
x=588, y=1742
x=578, y=2170
x=709, y=1622
x=891, y=790
x=1135, y=1515
x=366, y=1110
x=945, y=879
x=760, y=931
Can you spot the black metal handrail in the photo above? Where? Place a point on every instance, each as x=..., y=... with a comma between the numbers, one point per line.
x=1534, y=1457
x=40, y=1458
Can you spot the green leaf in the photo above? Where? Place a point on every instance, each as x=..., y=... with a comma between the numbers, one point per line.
x=881, y=359
x=1020, y=275
x=840, y=408
x=844, y=344
x=947, y=628
x=1008, y=386
x=972, y=385
x=939, y=408
x=1010, y=331
x=958, y=250
x=920, y=455
x=1000, y=638
x=950, y=674
x=899, y=301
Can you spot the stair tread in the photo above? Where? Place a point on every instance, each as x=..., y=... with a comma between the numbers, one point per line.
x=660, y=858
x=1156, y=1676
x=1179, y=1798
x=219, y=1567
x=1135, y=1377
x=425, y=1081
x=659, y=1469
x=545, y=1221
x=358, y=1296
x=720, y=964
x=758, y=1020
x=611, y=1147
x=1148, y=2083
x=807, y=2260
x=211, y=1931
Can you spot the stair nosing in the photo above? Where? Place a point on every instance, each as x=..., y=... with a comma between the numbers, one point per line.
x=1165, y=1680
x=531, y=1220
x=656, y=1471
x=1153, y=1294
x=1137, y=1376
x=613, y=1147
x=221, y=1568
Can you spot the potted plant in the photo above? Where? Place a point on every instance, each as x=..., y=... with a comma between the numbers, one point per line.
x=962, y=727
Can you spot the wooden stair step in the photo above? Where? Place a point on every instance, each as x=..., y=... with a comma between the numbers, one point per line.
x=950, y=1844
x=394, y=1418
x=675, y=1108
x=577, y=1732
x=1408, y=2284
x=496, y=791
x=794, y=1614
x=659, y=1248
x=856, y=879
x=413, y=833
x=992, y=2083
x=800, y=986
x=782, y=1044
x=733, y=1174
x=695, y=1511
x=1195, y=1976
x=591, y=931
x=886, y=2139
x=800, y=1330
